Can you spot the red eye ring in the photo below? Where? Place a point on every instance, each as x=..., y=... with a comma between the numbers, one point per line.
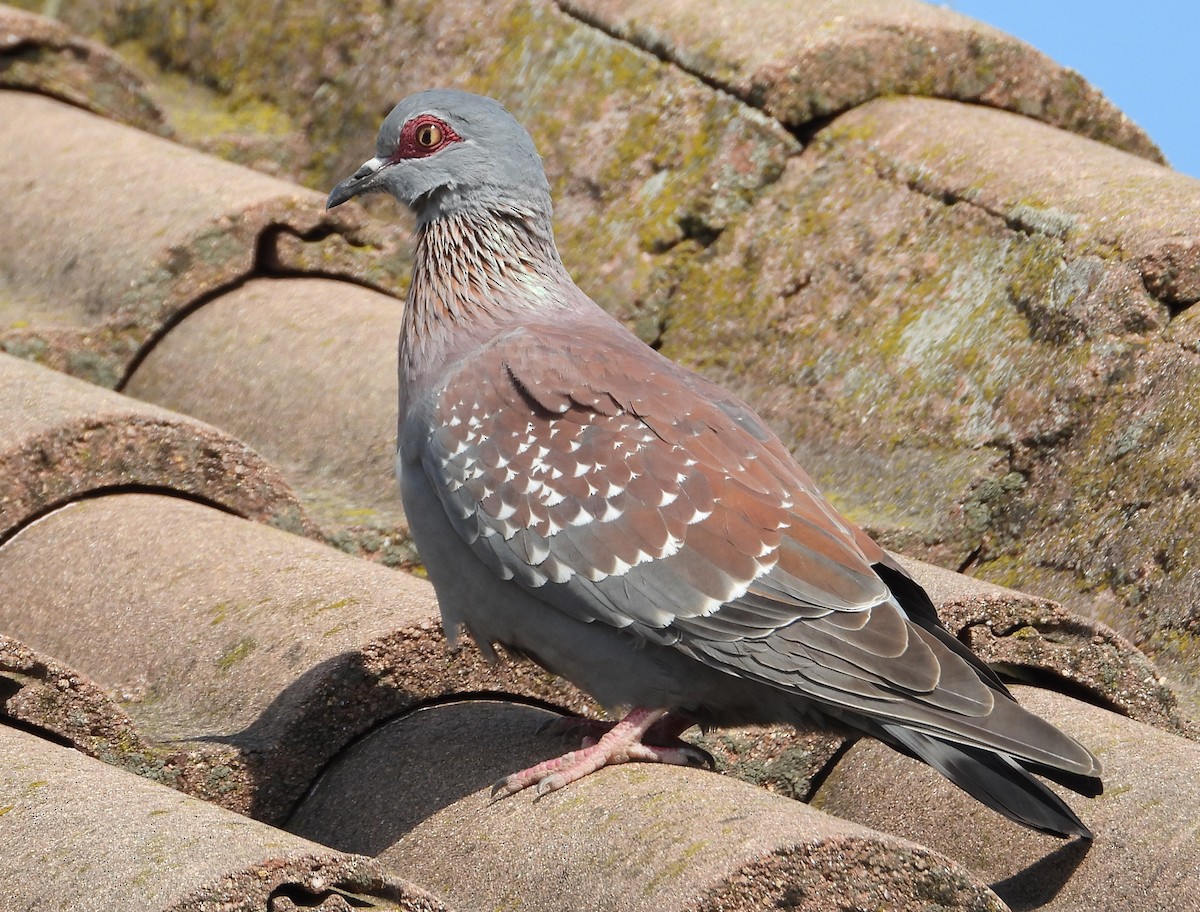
x=423, y=136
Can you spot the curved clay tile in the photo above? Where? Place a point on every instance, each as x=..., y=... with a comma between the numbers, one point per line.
x=44, y=694
x=142, y=229
x=416, y=794
x=1038, y=641
x=79, y=835
x=1096, y=199
x=821, y=58
x=1146, y=854
x=245, y=656
x=303, y=370
x=62, y=439
x=39, y=54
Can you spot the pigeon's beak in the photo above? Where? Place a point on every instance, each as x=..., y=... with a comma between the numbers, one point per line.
x=360, y=181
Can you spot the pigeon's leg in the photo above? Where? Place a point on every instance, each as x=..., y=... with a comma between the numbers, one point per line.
x=623, y=743
x=664, y=732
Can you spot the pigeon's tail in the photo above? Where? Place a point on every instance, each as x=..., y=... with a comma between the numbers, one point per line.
x=999, y=780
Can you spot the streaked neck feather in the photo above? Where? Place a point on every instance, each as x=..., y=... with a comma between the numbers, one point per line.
x=476, y=273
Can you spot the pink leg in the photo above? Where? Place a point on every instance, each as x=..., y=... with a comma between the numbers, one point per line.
x=620, y=744
x=664, y=732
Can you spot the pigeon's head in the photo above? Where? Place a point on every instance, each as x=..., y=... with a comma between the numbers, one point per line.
x=444, y=151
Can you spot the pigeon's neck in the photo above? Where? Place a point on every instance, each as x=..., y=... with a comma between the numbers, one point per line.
x=475, y=274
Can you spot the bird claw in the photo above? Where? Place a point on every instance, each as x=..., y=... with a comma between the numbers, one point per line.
x=551, y=783
x=620, y=743
x=697, y=756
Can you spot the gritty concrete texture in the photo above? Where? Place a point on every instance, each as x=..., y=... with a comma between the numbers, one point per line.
x=46, y=695
x=62, y=439
x=303, y=370
x=802, y=61
x=887, y=303
x=1096, y=199
x=247, y=657
x=1035, y=640
x=415, y=794
x=40, y=55
x=1147, y=849
x=80, y=836
x=647, y=163
x=101, y=259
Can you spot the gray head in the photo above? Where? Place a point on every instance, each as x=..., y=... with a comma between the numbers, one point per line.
x=445, y=151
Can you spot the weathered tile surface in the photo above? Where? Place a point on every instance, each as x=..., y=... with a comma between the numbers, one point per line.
x=631, y=837
x=803, y=61
x=41, y=55
x=245, y=657
x=100, y=258
x=62, y=439
x=975, y=330
x=1146, y=854
x=303, y=370
x=81, y=836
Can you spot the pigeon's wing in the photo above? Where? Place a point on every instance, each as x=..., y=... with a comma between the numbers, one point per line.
x=627, y=491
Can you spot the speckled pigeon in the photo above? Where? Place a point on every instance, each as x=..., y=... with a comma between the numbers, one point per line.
x=631, y=526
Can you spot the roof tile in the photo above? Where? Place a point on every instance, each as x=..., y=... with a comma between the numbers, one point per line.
x=1041, y=181
x=304, y=370
x=79, y=835
x=62, y=439
x=246, y=655
x=415, y=794
x=1146, y=854
x=41, y=55
x=146, y=230
x=824, y=57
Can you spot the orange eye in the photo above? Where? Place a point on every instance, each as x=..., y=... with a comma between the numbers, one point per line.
x=429, y=135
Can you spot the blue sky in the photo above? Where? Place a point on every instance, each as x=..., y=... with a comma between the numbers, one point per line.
x=1143, y=56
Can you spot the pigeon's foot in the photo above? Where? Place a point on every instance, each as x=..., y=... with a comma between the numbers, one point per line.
x=664, y=732
x=621, y=742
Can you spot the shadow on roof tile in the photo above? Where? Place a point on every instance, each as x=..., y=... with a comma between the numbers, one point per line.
x=1147, y=849
x=79, y=835
x=39, y=54
x=415, y=793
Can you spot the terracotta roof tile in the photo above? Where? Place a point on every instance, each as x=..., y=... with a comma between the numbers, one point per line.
x=1146, y=854
x=41, y=55
x=416, y=795
x=1095, y=198
x=304, y=370
x=62, y=439
x=821, y=58
x=146, y=230
x=79, y=835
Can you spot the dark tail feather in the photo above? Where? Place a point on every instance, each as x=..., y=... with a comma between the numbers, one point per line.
x=999, y=781
x=920, y=610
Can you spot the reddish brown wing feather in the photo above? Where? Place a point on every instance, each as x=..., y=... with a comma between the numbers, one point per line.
x=591, y=468
x=631, y=492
